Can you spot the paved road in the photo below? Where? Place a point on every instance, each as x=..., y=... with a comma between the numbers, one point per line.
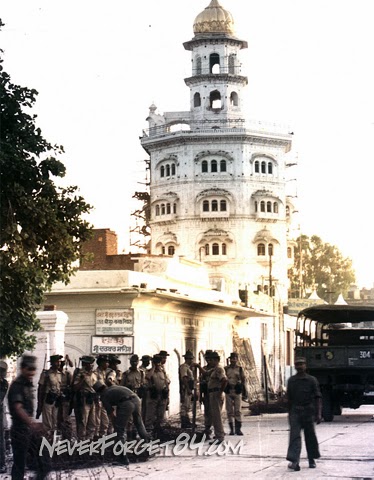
x=346, y=444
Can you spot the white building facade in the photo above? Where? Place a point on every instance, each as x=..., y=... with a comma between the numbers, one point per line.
x=217, y=182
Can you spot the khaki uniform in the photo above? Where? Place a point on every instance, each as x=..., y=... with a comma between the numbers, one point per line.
x=207, y=370
x=134, y=379
x=185, y=392
x=216, y=400
x=85, y=404
x=234, y=392
x=63, y=419
x=50, y=384
x=101, y=416
x=145, y=392
x=158, y=393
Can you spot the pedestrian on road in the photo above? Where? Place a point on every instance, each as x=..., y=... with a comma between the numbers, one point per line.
x=305, y=408
x=25, y=432
x=216, y=385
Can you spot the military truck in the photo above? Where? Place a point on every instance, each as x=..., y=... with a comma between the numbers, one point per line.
x=338, y=344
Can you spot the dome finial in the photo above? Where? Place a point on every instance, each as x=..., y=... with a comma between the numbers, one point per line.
x=214, y=19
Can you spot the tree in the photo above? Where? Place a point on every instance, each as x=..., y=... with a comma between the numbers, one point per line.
x=322, y=267
x=42, y=228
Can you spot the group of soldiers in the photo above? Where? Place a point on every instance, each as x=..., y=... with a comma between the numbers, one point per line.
x=60, y=392
x=213, y=385
x=105, y=400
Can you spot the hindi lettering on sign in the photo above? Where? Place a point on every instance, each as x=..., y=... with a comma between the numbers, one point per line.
x=115, y=321
x=121, y=345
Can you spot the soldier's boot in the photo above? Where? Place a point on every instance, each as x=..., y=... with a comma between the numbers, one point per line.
x=185, y=422
x=231, y=425
x=238, y=426
x=207, y=433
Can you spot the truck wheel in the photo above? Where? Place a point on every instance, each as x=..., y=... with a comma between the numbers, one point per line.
x=327, y=408
x=337, y=409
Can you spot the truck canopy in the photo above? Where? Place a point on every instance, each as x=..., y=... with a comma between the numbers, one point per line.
x=339, y=313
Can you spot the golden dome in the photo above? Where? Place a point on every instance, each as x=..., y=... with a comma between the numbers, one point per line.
x=214, y=19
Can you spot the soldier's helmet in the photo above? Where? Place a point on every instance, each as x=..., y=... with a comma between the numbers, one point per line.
x=87, y=359
x=28, y=361
x=215, y=356
x=114, y=359
x=134, y=358
x=188, y=354
x=163, y=353
x=146, y=358
x=55, y=358
x=234, y=355
x=299, y=360
x=101, y=359
x=208, y=354
x=156, y=359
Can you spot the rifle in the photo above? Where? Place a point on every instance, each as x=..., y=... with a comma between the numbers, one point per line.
x=194, y=400
x=41, y=394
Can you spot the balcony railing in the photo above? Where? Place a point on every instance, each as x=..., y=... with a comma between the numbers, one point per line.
x=234, y=126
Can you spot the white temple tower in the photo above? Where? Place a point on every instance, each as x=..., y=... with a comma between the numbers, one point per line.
x=217, y=183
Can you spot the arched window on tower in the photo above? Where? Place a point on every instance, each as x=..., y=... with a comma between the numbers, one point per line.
x=174, y=208
x=275, y=207
x=197, y=100
x=162, y=209
x=234, y=99
x=215, y=99
x=268, y=207
x=257, y=166
x=206, y=206
x=256, y=206
x=198, y=65
x=214, y=66
x=223, y=167
x=262, y=206
x=162, y=171
x=171, y=250
x=204, y=166
x=168, y=209
x=270, y=249
x=214, y=166
x=173, y=168
x=232, y=58
x=215, y=249
x=168, y=170
x=223, y=206
x=157, y=210
x=263, y=167
x=207, y=249
x=224, y=249
x=270, y=168
x=261, y=249
x=214, y=206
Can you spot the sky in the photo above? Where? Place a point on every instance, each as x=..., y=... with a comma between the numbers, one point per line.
x=98, y=66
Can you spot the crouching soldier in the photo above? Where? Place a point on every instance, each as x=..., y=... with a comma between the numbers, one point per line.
x=122, y=405
x=85, y=396
x=49, y=392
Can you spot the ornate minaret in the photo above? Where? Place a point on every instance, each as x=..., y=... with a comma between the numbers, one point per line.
x=217, y=186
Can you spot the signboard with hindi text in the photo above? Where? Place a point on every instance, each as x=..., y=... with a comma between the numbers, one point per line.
x=117, y=345
x=115, y=321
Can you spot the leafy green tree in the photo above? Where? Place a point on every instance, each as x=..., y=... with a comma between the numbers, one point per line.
x=42, y=228
x=322, y=266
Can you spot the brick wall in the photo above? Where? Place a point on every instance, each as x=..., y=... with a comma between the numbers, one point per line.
x=102, y=251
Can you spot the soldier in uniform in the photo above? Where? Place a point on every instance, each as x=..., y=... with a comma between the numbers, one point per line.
x=85, y=397
x=164, y=356
x=3, y=391
x=146, y=361
x=216, y=385
x=186, y=388
x=235, y=389
x=305, y=408
x=49, y=392
x=24, y=428
x=204, y=395
x=114, y=374
x=63, y=418
x=134, y=379
x=158, y=394
x=122, y=404
x=101, y=417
